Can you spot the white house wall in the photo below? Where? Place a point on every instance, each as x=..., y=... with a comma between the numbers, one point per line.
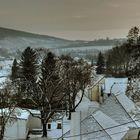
x=75, y=125
x=16, y=130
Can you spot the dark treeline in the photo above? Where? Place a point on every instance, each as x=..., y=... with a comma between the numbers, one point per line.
x=123, y=60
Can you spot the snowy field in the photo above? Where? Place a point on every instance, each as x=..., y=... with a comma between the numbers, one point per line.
x=5, y=67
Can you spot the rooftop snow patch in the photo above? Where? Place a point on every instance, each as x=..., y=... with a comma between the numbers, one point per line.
x=116, y=131
x=114, y=109
x=115, y=85
x=126, y=102
x=91, y=129
x=111, y=120
x=16, y=112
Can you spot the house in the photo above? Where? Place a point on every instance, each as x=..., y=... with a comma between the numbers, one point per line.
x=110, y=121
x=95, y=90
x=19, y=124
x=57, y=128
x=16, y=126
x=113, y=119
x=106, y=85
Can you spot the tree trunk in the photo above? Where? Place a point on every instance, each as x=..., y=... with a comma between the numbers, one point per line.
x=73, y=103
x=43, y=124
x=83, y=91
x=70, y=108
x=73, y=109
x=44, y=129
x=2, y=132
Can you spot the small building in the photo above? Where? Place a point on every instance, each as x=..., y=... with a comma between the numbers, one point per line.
x=116, y=117
x=95, y=92
x=56, y=129
x=20, y=124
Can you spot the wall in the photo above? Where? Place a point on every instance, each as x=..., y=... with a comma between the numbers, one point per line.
x=75, y=125
x=132, y=134
x=94, y=92
x=16, y=130
x=34, y=123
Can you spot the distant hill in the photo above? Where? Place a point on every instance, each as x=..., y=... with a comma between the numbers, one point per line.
x=12, y=40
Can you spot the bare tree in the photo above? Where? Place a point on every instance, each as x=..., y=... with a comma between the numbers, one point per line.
x=56, y=89
x=7, y=106
x=77, y=76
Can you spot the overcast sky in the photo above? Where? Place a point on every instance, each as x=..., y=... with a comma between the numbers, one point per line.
x=72, y=19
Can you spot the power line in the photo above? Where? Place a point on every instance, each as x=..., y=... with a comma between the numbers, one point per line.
x=100, y=130
x=110, y=134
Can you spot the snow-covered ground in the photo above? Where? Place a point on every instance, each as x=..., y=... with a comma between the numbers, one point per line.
x=5, y=69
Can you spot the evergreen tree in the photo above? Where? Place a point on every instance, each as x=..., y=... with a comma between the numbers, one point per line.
x=100, y=64
x=28, y=65
x=14, y=73
x=48, y=66
x=108, y=65
x=28, y=70
x=133, y=35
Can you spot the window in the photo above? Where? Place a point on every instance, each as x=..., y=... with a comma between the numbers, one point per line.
x=49, y=126
x=59, y=126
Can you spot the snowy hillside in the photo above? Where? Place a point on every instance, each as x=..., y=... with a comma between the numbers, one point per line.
x=13, y=40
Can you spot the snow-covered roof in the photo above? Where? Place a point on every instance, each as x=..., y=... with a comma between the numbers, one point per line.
x=22, y=114
x=109, y=125
x=126, y=102
x=111, y=119
x=91, y=129
x=115, y=85
x=114, y=109
x=16, y=112
x=37, y=112
x=112, y=113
